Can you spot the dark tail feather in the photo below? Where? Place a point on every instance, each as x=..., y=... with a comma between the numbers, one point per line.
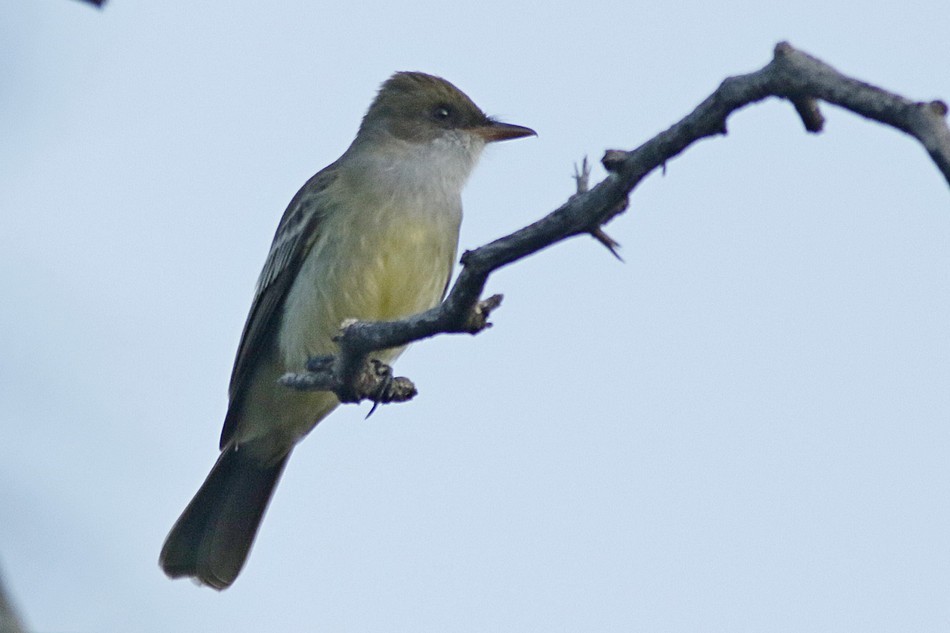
x=211, y=539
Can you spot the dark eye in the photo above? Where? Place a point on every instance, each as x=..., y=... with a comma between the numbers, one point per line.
x=442, y=113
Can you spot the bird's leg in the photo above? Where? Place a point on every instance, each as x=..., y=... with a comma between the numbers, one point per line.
x=387, y=388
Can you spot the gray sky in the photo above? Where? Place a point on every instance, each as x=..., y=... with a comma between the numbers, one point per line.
x=743, y=428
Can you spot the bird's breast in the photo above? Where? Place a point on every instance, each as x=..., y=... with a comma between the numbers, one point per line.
x=368, y=264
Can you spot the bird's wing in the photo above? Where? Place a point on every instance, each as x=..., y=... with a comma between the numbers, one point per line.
x=296, y=233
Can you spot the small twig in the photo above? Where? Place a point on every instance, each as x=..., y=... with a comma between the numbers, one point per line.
x=609, y=243
x=582, y=181
x=582, y=176
x=478, y=317
x=613, y=159
x=810, y=114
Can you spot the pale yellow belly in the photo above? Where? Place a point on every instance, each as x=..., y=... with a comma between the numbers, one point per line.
x=385, y=277
x=372, y=277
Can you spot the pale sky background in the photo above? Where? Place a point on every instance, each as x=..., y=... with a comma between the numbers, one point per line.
x=745, y=427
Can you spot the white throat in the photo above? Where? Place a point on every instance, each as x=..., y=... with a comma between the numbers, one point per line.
x=437, y=169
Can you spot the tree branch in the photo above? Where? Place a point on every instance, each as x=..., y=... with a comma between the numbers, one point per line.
x=792, y=75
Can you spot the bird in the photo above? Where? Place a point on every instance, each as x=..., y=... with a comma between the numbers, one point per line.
x=373, y=236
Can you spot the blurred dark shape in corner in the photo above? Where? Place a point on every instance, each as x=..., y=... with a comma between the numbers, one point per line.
x=9, y=622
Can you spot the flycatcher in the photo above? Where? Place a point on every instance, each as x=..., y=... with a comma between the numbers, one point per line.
x=371, y=237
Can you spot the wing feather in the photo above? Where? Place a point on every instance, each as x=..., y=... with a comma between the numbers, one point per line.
x=296, y=232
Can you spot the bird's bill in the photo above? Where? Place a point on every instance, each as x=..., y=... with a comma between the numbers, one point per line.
x=497, y=131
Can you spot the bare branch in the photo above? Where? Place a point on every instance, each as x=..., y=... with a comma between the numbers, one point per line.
x=792, y=75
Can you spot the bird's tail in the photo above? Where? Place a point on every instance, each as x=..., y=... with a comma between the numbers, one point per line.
x=212, y=538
